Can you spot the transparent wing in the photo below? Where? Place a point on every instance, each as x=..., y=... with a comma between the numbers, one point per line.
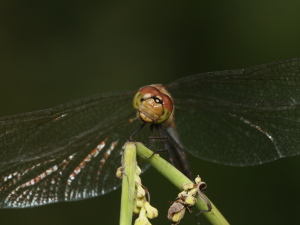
x=65, y=153
x=240, y=117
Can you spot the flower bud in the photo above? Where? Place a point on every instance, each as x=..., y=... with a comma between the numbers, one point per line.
x=138, y=179
x=138, y=170
x=187, y=186
x=140, y=193
x=183, y=193
x=119, y=172
x=151, y=211
x=140, y=202
x=176, y=212
x=193, y=191
x=177, y=217
x=190, y=200
x=142, y=219
x=197, y=179
x=136, y=210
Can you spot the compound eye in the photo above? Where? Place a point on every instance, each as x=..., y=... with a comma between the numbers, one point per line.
x=137, y=100
x=144, y=93
x=164, y=116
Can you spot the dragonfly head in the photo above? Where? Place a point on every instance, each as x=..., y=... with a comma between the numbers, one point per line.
x=154, y=105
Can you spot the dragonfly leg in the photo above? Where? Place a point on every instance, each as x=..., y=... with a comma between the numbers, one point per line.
x=158, y=151
x=135, y=132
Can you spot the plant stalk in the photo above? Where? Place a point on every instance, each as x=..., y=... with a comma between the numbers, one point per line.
x=177, y=178
x=128, y=183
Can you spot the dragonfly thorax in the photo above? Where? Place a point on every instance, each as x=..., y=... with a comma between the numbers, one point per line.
x=153, y=106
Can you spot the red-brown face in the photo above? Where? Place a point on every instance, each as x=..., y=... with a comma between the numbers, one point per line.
x=153, y=106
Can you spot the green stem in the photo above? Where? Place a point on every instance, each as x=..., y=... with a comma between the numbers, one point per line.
x=128, y=183
x=177, y=178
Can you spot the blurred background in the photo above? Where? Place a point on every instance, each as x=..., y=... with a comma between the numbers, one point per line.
x=53, y=52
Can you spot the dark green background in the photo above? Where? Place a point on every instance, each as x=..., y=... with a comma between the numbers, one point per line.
x=52, y=52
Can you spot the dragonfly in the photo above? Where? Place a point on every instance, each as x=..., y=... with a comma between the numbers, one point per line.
x=242, y=117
